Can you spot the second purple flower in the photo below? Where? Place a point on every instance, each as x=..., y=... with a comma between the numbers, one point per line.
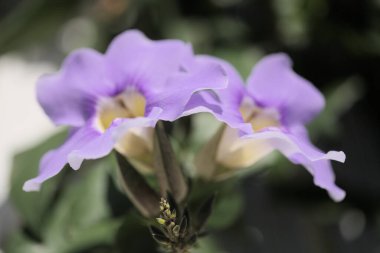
x=269, y=113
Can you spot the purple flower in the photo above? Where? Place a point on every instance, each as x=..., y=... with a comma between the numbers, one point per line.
x=270, y=113
x=113, y=100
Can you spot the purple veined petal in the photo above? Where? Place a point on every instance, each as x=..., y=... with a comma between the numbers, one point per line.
x=181, y=86
x=133, y=59
x=324, y=178
x=232, y=95
x=54, y=161
x=273, y=83
x=68, y=97
x=103, y=144
x=229, y=99
x=291, y=145
x=205, y=101
x=297, y=148
x=86, y=143
x=321, y=170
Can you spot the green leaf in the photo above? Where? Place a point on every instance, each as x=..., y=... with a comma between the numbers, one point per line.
x=144, y=198
x=168, y=170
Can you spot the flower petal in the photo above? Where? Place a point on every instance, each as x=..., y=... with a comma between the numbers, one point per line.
x=103, y=144
x=234, y=92
x=273, y=83
x=86, y=143
x=54, y=161
x=181, y=86
x=225, y=105
x=68, y=97
x=205, y=101
x=324, y=177
x=133, y=59
x=299, y=150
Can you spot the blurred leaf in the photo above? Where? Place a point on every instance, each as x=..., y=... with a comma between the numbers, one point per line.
x=207, y=245
x=204, y=213
x=228, y=205
x=33, y=22
x=99, y=233
x=80, y=218
x=227, y=209
x=197, y=31
x=243, y=57
x=339, y=100
x=292, y=21
x=134, y=236
x=19, y=243
x=33, y=206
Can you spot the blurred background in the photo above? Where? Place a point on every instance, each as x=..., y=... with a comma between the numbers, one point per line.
x=333, y=43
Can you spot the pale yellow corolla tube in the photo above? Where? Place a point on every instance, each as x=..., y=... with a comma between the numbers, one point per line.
x=227, y=153
x=137, y=143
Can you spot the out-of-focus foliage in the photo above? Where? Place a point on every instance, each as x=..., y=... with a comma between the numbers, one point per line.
x=335, y=44
x=32, y=207
x=62, y=217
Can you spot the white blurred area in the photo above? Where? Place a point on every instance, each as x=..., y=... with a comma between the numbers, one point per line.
x=22, y=122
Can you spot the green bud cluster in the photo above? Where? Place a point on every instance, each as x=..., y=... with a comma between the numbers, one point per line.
x=175, y=232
